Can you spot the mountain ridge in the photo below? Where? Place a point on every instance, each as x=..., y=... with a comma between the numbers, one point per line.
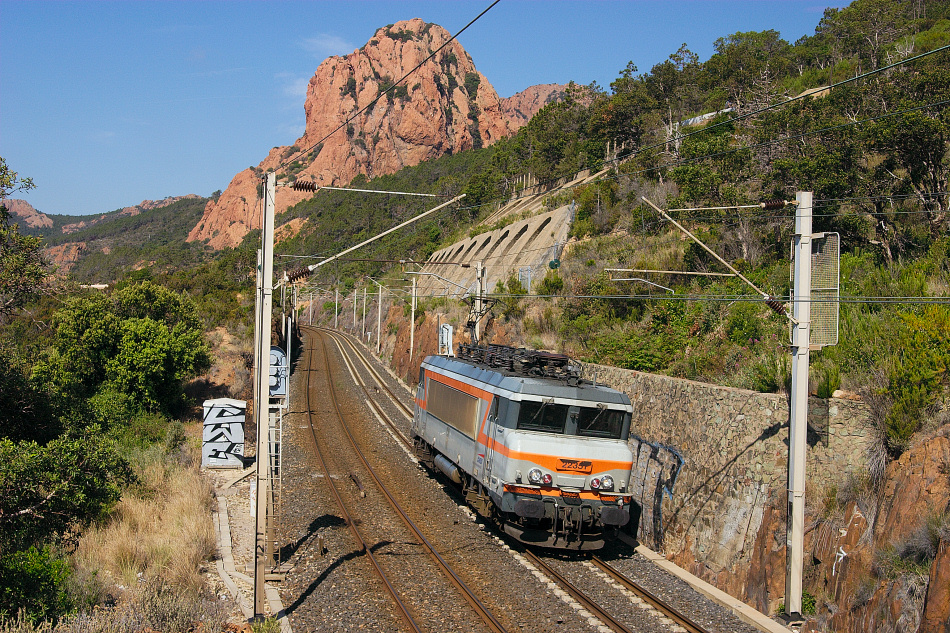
x=447, y=106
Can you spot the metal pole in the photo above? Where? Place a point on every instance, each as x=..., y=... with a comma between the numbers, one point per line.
x=257, y=329
x=478, y=299
x=379, y=321
x=412, y=323
x=262, y=396
x=798, y=414
x=336, y=310
x=288, y=334
x=363, y=335
x=354, y=310
x=310, y=321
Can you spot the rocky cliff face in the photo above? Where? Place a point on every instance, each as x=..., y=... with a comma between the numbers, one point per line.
x=24, y=213
x=867, y=560
x=446, y=106
x=524, y=105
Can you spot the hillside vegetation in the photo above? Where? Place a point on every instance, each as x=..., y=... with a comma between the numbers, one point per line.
x=102, y=375
x=873, y=150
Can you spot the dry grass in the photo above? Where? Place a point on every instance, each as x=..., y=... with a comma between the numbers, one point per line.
x=162, y=529
x=153, y=606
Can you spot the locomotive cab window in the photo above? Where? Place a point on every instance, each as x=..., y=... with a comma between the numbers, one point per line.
x=600, y=422
x=542, y=416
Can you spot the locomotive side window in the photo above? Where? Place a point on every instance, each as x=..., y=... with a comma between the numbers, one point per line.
x=597, y=422
x=542, y=416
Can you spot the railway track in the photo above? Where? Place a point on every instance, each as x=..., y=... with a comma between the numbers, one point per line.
x=389, y=406
x=344, y=340
x=667, y=610
x=470, y=597
x=662, y=606
x=588, y=603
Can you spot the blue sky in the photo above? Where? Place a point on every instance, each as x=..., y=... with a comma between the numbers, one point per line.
x=105, y=104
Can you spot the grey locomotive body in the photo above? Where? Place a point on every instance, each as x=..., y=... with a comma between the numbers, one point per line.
x=533, y=447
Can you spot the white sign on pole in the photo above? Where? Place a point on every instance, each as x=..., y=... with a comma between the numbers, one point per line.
x=445, y=340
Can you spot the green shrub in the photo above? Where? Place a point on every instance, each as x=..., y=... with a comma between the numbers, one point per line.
x=919, y=376
x=829, y=380
x=267, y=625
x=34, y=580
x=744, y=325
x=808, y=604
x=765, y=375
x=472, y=80
x=552, y=284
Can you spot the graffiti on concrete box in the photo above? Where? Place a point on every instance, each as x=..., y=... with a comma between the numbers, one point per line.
x=223, y=433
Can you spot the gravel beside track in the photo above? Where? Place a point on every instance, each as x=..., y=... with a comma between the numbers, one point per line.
x=337, y=590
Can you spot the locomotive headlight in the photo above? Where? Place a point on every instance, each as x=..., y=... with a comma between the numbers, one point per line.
x=534, y=476
x=546, y=479
x=606, y=483
x=595, y=483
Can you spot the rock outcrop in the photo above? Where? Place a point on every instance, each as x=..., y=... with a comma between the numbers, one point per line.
x=864, y=560
x=65, y=256
x=446, y=106
x=26, y=214
x=524, y=105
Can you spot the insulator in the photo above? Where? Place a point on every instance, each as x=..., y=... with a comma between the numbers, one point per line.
x=776, y=305
x=300, y=273
x=304, y=185
x=772, y=205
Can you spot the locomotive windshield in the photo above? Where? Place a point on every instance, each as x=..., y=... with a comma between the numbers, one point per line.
x=598, y=422
x=548, y=417
x=542, y=416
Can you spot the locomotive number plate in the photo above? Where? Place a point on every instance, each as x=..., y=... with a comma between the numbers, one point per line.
x=574, y=465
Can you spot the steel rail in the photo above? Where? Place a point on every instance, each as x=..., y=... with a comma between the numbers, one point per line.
x=666, y=609
x=400, y=605
x=577, y=594
x=487, y=617
x=400, y=436
x=397, y=432
x=376, y=376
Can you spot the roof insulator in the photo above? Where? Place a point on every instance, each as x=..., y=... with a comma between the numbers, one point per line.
x=300, y=273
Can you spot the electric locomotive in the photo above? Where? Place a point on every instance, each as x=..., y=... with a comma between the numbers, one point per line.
x=534, y=448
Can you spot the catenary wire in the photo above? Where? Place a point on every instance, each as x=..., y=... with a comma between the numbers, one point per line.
x=785, y=103
x=790, y=137
x=734, y=119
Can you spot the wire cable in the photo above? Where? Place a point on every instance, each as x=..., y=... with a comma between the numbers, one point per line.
x=790, y=137
x=739, y=118
x=784, y=103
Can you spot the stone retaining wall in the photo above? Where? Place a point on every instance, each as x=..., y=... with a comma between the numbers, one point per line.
x=708, y=458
